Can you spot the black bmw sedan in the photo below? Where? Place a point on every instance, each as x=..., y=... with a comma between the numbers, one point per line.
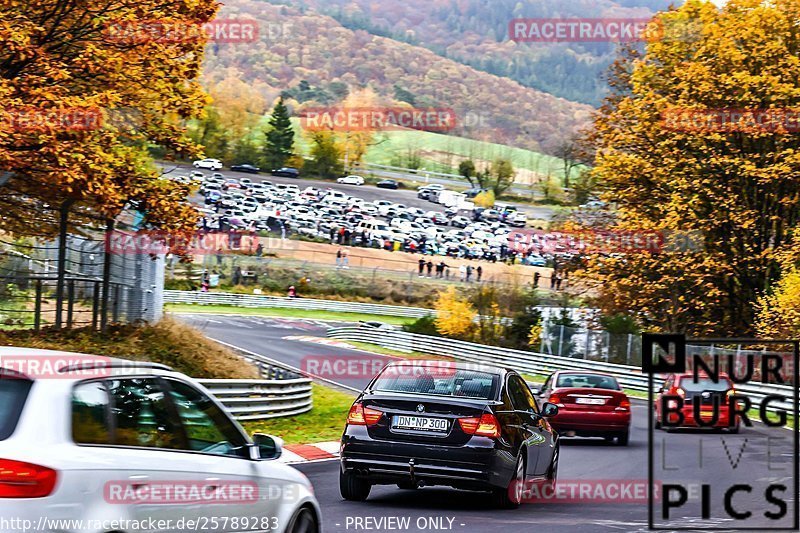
x=474, y=427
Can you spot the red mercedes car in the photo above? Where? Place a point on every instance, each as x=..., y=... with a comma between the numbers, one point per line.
x=590, y=404
x=705, y=396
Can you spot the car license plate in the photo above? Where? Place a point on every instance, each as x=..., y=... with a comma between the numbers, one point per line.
x=420, y=423
x=590, y=401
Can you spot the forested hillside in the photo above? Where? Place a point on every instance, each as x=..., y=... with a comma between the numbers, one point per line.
x=475, y=32
x=313, y=58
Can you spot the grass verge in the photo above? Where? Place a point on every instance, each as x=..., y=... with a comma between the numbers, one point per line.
x=169, y=342
x=286, y=312
x=325, y=421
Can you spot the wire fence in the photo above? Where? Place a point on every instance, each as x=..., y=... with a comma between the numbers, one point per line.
x=626, y=349
x=98, y=286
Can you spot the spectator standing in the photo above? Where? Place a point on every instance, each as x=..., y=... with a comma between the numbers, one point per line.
x=479, y=271
x=536, y=277
x=338, y=258
x=345, y=260
x=463, y=271
x=469, y=273
x=429, y=266
x=440, y=269
x=292, y=292
x=559, y=279
x=421, y=267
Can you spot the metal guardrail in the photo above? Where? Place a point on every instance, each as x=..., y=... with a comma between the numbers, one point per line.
x=283, y=392
x=630, y=377
x=255, y=300
x=248, y=399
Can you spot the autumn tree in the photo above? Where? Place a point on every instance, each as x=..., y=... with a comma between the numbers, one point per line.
x=466, y=168
x=326, y=155
x=356, y=142
x=455, y=315
x=485, y=199
x=502, y=175
x=83, y=97
x=732, y=184
x=280, y=137
x=778, y=314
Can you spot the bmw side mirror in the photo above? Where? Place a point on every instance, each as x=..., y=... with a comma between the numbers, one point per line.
x=549, y=410
x=268, y=447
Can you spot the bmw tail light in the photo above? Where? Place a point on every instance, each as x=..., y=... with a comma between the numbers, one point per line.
x=25, y=480
x=363, y=416
x=485, y=426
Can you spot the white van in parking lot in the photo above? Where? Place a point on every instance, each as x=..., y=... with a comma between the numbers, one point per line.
x=96, y=444
x=375, y=228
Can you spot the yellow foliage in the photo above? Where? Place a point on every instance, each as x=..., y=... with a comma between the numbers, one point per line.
x=779, y=312
x=98, y=100
x=535, y=335
x=485, y=199
x=732, y=189
x=455, y=315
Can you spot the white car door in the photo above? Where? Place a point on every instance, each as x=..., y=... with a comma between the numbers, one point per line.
x=124, y=428
x=246, y=497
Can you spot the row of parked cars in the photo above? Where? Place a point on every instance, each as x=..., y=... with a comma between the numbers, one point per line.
x=216, y=164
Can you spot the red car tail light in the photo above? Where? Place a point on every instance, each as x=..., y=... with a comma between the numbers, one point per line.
x=680, y=392
x=363, y=416
x=485, y=426
x=624, y=405
x=25, y=480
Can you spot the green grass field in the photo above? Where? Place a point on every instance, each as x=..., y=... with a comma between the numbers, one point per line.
x=390, y=146
x=325, y=421
x=285, y=312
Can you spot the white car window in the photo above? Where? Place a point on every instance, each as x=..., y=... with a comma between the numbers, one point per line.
x=208, y=429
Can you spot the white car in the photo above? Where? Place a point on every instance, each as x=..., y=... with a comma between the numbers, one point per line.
x=351, y=180
x=211, y=164
x=101, y=444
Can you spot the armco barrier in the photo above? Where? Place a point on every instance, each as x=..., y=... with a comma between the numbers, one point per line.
x=254, y=300
x=630, y=377
x=262, y=399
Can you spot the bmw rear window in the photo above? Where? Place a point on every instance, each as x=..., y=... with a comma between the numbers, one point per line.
x=13, y=393
x=437, y=381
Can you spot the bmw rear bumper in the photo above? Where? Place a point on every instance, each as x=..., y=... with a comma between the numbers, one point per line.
x=479, y=465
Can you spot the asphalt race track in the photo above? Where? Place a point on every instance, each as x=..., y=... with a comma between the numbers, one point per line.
x=757, y=456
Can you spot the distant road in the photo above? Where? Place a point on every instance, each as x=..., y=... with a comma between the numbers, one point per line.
x=367, y=192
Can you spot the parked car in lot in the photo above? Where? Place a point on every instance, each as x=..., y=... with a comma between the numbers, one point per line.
x=246, y=167
x=351, y=180
x=286, y=172
x=388, y=184
x=697, y=398
x=590, y=404
x=210, y=164
x=73, y=436
x=422, y=423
